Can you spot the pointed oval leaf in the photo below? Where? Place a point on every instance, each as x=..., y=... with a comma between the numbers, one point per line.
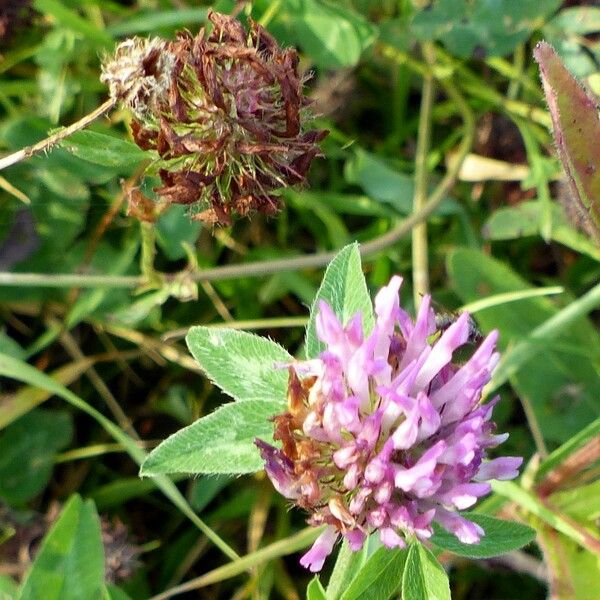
x=424, y=578
x=27, y=453
x=576, y=131
x=243, y=365
x=315, y=590
x=347, y=565
x=70, y=562
x=222, y=442
x=380, y=577
x=332, y=35
x=500, y=537
x=344, y=288
x=105, y=150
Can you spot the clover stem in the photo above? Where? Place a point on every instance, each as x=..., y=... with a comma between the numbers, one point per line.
x=61, y=134
x=420, y=259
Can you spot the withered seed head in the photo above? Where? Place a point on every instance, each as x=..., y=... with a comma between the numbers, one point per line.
x=225, y=113
x=139, y=74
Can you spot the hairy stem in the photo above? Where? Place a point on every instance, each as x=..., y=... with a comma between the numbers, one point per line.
x=53, y=139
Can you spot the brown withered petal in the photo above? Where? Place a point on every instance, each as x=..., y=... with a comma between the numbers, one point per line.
x=140, y=206
x=228, y=120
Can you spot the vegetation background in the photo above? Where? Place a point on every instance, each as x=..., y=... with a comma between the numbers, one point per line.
x=96, y=319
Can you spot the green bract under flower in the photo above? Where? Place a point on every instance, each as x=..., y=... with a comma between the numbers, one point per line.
x=225, y=112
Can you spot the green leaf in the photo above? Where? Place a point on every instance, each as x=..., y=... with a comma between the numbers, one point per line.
x=206, y=489
x=21, y=371
x=345, y=290
x=315, y=590
x=146, y=21
x=105, y=150
x=568, y=362
x=347, y=565
x=342, y=204
x=10, y=346
x=581, y=502
x=380, y=181
x=173, y=228
x=569, y=447
x=27, y=451
x=243, y=365
x=532, y=503
x=380, y=577
x=576, y=130
x=70, y=562
x=424, y=578
x=500, y=537
x=566, y=33
x=570, y=567
x=222, y=442
x=496, y=27
x=333, y=36
x=386, y=184
x=71, y=20
x=525, y=219
x=8, y=587
x=114, y=593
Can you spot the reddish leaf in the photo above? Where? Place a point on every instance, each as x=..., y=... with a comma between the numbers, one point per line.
x=576, y=132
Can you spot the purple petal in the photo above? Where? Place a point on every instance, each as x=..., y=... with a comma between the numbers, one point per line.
x=358, y=370
x=387, y=306
x=356, y=538
x=407, y=479
x=358, y=501
x=455, y=336
x=376, y=517
x=472, y=375
x=430, y=418
x=351, y=477
x=424, y=327
x=383, y=492
x=354, y=330
x=345, y=456
x=330, y=331
x=503, y=468
x=280, y=470
x=462, y=452
x=329, y=328
x=321, y=549
x=465, y=495
x=406, y=433
x=377, y=469
x=466, y=531
x=390, y=538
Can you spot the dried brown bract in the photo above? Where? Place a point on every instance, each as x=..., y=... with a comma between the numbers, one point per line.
x=225, y=112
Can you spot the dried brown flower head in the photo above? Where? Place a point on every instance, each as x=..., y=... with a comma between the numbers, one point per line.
x=225, y=112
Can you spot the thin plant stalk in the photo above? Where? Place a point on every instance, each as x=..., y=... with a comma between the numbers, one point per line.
x=47, y=143
x=283, y=547
x=420, y=259
x=269, y=267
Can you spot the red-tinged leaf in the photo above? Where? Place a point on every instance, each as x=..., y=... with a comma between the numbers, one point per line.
x=576, y=131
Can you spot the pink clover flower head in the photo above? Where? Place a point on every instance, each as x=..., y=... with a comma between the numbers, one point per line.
x=385, y=433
